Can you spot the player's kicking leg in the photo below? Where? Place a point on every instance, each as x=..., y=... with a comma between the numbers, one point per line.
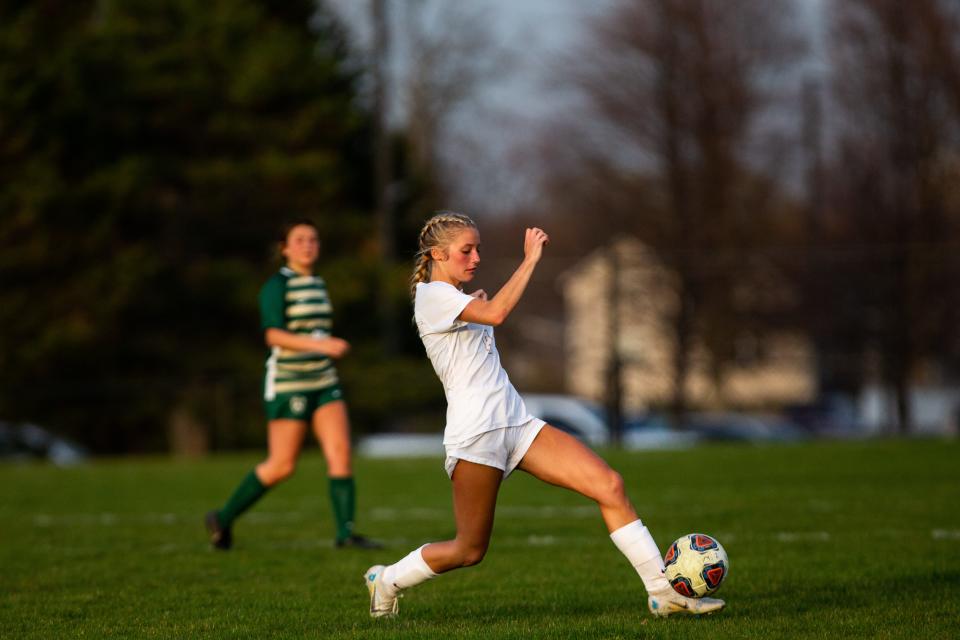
x=560, y=459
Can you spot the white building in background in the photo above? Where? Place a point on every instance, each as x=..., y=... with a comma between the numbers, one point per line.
x=776, y=370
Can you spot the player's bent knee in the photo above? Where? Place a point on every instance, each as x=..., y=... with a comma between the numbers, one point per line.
x=611, y=490
x=274, y=472
x=472, y=558
x=472, y=555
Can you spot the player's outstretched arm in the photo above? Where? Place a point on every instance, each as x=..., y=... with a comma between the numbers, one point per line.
x=329, y=346
x=495, y=310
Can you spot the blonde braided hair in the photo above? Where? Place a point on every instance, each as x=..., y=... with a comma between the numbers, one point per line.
x=436, y=232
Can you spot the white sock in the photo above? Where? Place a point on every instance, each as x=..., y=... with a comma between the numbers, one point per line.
x=409, y=571
x=636, y=543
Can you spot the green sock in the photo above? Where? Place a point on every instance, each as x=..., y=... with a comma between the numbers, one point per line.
x=343, y=498
x=247, y=492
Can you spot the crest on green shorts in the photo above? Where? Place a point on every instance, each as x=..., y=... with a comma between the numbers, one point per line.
x=298, y=404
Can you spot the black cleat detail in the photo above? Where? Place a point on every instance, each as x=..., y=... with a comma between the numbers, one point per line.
x=358, y=541
x=220, y=536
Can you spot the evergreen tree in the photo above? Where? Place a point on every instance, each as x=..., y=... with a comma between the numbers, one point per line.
x=149, y=151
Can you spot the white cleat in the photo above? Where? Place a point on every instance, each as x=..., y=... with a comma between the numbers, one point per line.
x=669, y=603
x=380, y=604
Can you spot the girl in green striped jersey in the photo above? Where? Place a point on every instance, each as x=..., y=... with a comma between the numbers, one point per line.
x=301, y=388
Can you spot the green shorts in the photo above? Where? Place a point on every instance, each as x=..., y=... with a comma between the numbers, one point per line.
x=301, y=405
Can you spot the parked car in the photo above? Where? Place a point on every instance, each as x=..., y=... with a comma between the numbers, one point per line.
x=653, y=431
x=743, y=427
x=27, y=441
x=831, y=415
x=401, y=445
x=576, y=416
x=587, y=421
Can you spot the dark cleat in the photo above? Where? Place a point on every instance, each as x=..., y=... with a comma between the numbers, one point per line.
x=357, y=541
x=220, y=536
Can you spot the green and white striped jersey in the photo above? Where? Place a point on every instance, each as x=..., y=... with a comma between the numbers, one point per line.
x=298, y=304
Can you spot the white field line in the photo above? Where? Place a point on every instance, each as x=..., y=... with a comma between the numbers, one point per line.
x=945, y=534
x=422, y=514
x=388, y=514
x=803, y=536
x=108, y=519
x=521, y=512
x=395, y=546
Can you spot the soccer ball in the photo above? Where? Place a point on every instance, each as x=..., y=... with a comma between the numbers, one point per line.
x=696, y=565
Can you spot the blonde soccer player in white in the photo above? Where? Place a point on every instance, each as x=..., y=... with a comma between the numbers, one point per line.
x=489, y=432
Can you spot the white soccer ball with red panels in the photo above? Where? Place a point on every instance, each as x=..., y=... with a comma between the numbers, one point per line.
x=696, y=565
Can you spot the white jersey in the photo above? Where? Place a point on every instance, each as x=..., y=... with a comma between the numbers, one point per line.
x=480, y=397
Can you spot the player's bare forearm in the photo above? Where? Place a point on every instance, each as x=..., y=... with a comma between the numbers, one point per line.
x=330, y=346
x=494, y=312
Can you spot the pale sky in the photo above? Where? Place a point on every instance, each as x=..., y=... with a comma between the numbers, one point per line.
x=533, y=31
x=507, y=109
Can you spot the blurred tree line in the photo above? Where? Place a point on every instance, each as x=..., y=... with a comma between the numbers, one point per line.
x=889, y=198
x=822, y=200
x=150, y=150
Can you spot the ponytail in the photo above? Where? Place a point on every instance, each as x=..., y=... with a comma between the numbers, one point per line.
x=421, y=271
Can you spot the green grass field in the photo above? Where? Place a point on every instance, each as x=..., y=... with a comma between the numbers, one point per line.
x=826, y=540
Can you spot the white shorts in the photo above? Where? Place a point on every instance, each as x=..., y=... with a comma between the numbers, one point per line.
x=501, y=448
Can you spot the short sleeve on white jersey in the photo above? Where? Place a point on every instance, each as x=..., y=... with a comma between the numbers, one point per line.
x=480, y=397
x=437, y=307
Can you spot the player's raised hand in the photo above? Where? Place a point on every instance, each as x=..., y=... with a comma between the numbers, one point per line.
x=533, y=243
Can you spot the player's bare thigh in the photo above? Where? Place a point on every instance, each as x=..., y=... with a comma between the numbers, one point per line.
x=560, y=459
